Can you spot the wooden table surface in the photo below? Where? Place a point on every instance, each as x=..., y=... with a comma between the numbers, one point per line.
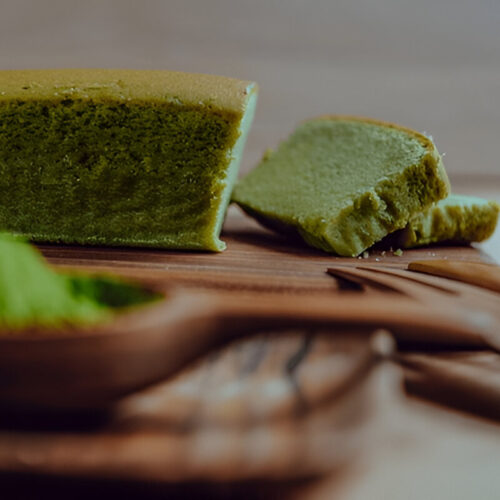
x=433, y=65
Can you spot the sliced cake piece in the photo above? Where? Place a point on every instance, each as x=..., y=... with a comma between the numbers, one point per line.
x=119, y=157
x=457, y=218
x=343, y=183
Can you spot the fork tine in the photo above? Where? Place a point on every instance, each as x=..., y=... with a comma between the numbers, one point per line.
x=457, y=291
x=453, y=287
x=430, y=281
x=369, y=277
x=475, y=306
x=478, y=274
x=346, y=274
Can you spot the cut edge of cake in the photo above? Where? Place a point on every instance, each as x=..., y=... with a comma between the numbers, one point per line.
x=236, y=154
x=457, y=218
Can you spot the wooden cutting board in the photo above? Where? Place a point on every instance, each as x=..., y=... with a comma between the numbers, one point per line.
x=274, y=406
x=255, y=259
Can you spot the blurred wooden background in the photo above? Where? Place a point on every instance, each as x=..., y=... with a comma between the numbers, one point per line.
x=433, y=65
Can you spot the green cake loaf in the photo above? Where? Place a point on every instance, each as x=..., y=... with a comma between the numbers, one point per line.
x=343, y=183
x=457, y=218
x=120, y=157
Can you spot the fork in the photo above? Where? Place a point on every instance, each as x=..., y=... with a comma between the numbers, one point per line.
x=477, y=307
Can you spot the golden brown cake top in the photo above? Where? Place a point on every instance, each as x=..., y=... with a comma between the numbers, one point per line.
x=147, y=85
x=426, y=141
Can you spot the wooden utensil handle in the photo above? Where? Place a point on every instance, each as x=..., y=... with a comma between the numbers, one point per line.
x=407, y=319
x=475, y=273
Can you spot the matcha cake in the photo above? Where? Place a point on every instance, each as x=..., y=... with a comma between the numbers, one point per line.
x=120, y=157
x=457, y=218
x=343, y=183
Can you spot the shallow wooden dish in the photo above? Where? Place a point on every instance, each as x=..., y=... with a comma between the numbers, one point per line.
x=89, y=368
x=92, y=366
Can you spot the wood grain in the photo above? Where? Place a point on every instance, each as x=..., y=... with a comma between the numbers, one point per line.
x=255, y=260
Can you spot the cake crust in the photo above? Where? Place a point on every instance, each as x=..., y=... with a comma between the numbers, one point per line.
x=123, y=84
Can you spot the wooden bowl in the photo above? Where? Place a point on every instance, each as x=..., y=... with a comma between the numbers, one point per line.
x=90, y=367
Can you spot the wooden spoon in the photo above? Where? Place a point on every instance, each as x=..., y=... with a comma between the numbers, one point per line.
x=476, y=273
x=91, y=367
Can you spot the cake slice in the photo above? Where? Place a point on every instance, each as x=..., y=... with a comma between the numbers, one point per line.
x=119, y=157
x=343, y=183
x=457, y=218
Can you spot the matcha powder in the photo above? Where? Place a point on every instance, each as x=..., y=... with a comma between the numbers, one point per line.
x=33, y=295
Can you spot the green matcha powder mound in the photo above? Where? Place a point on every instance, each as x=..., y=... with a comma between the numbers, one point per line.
x=32, y=295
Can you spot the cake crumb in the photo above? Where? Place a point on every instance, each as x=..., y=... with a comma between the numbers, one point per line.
x=377, y=259
x=366, y=254
x=383, y=253
x=398, y=252
x=429, y=136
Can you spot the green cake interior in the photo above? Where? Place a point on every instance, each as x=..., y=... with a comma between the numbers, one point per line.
x=457, y=218
x=344, y=183
x=110, y=166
